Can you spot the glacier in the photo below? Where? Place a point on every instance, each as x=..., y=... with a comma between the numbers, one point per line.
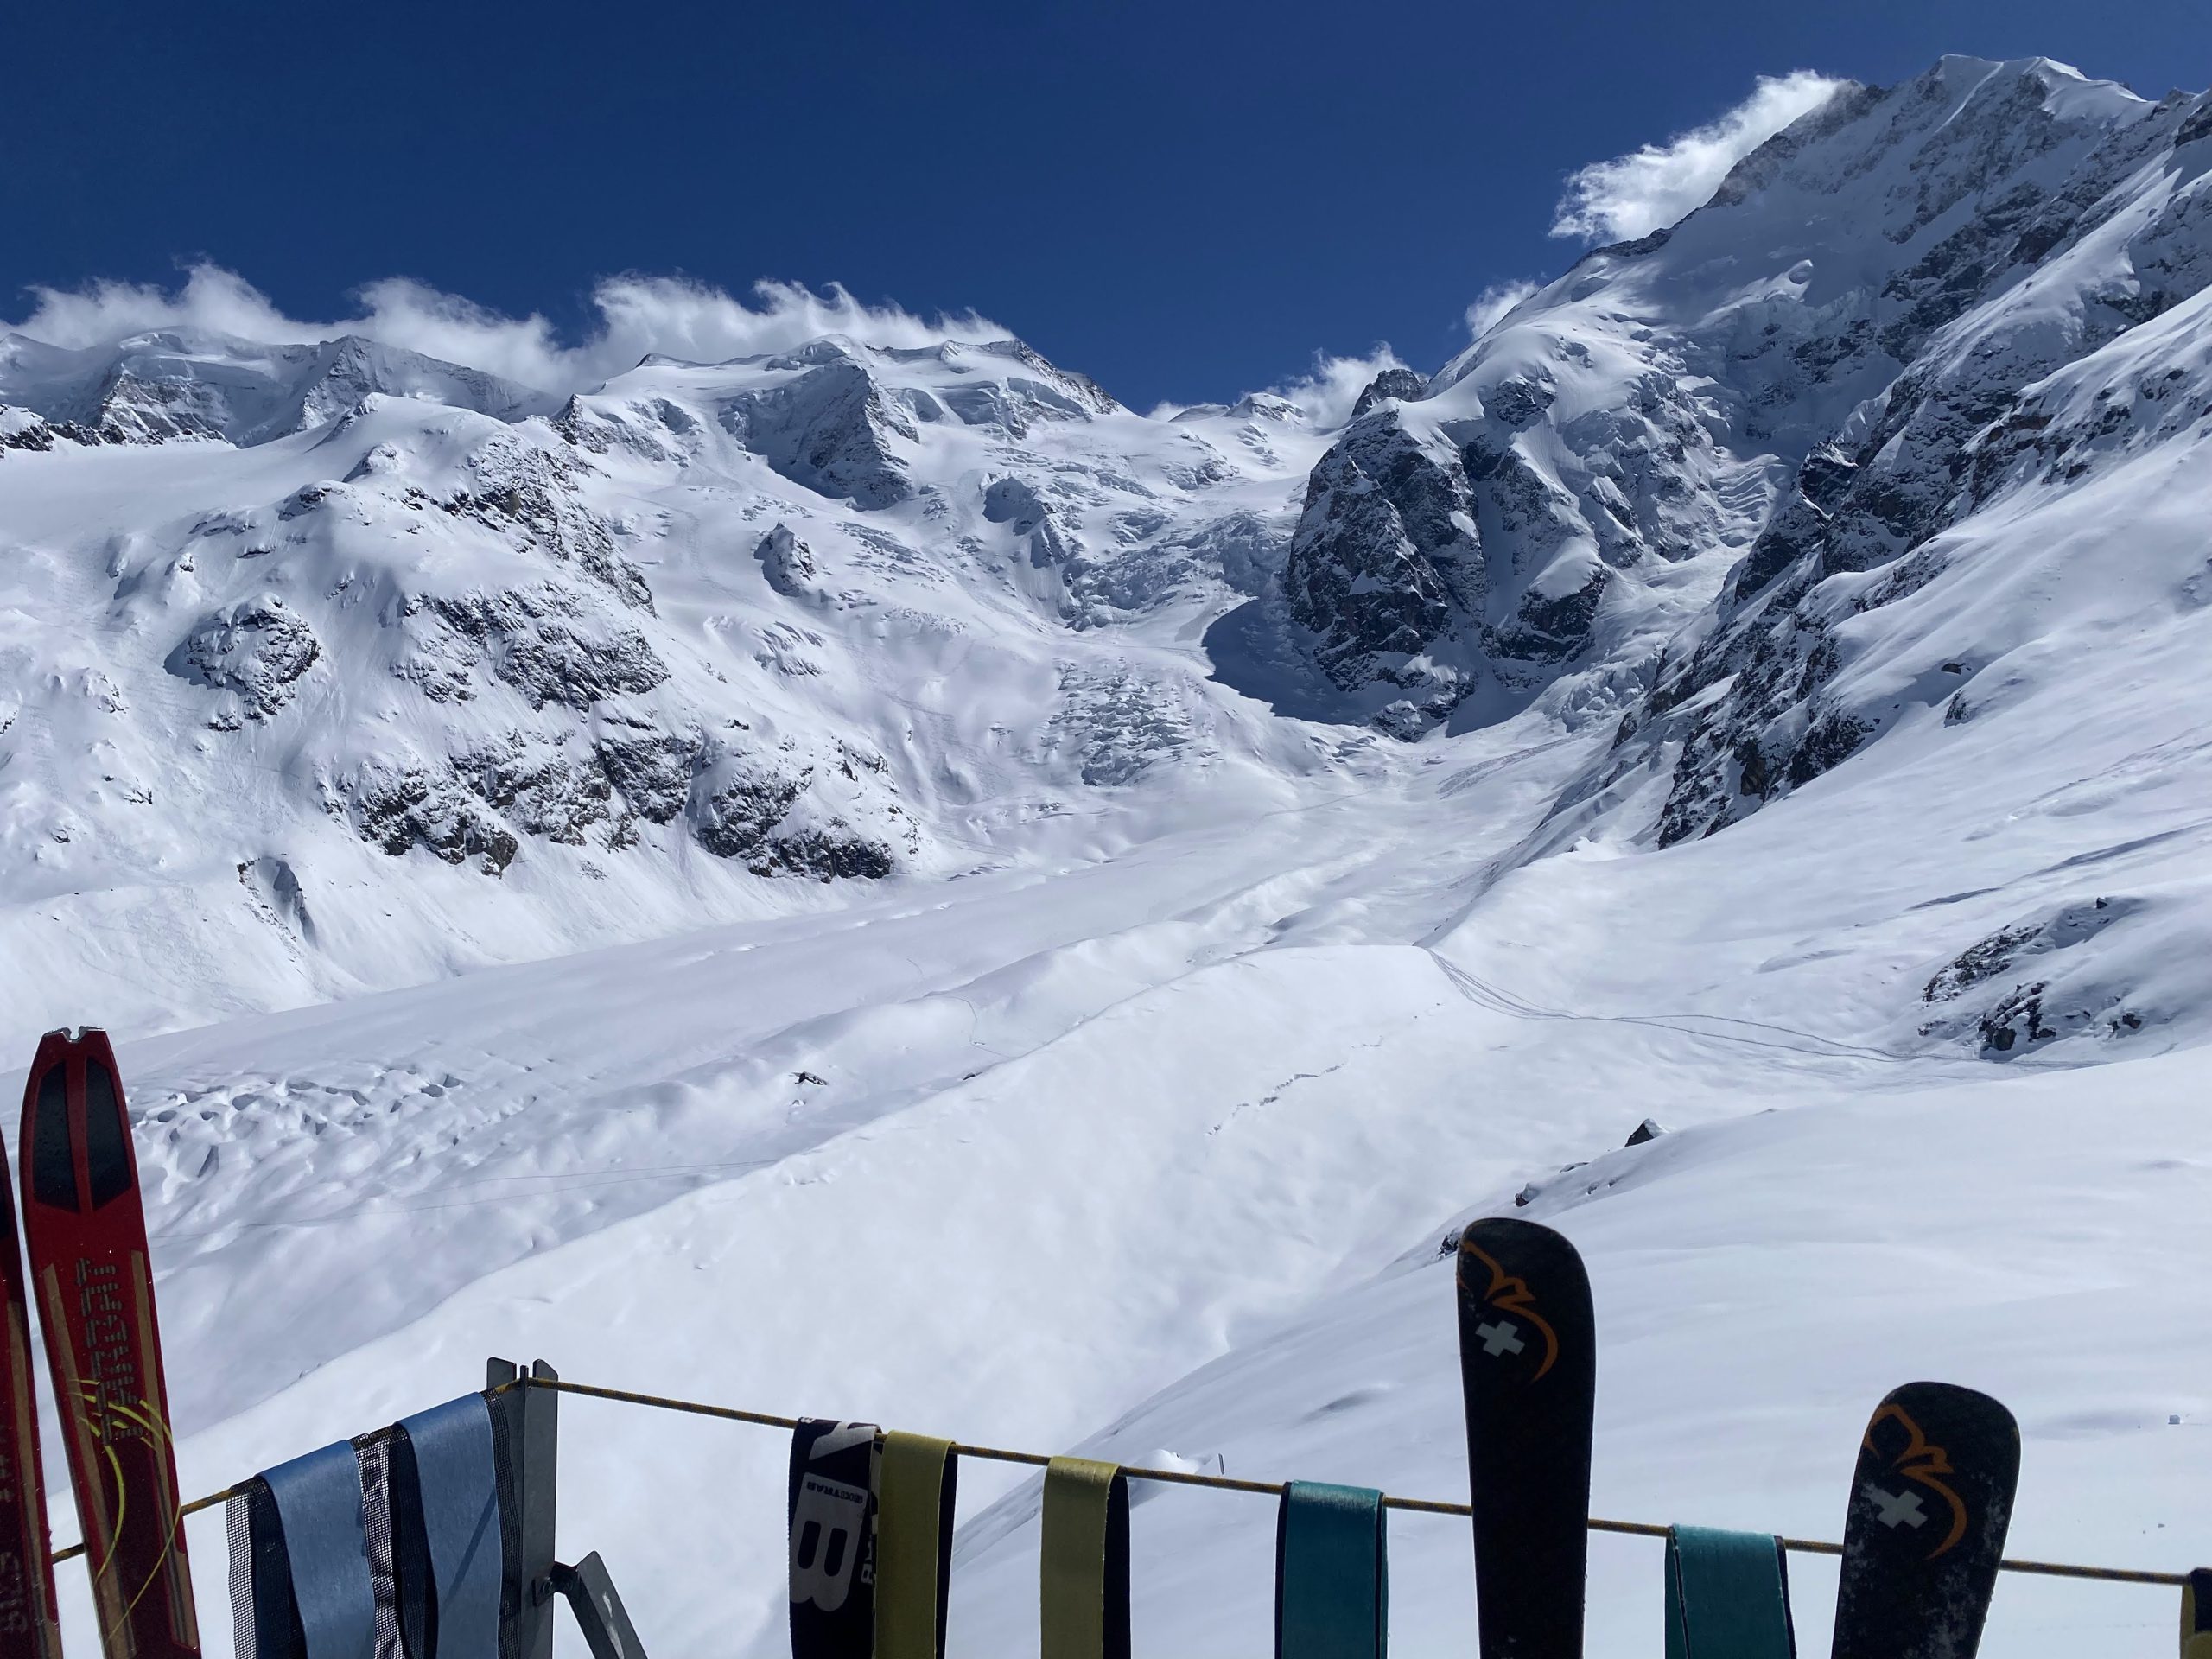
x=867, y=878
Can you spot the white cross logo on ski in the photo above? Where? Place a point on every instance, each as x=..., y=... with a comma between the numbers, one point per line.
x=1897, y=1509
x=1500, y=1338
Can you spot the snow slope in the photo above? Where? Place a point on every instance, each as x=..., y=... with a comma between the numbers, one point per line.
x=1164, y=1140
x=301, y=704
x=869, y=879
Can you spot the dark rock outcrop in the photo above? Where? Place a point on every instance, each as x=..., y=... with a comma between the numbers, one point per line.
x=258, y=650
x=1385, y=563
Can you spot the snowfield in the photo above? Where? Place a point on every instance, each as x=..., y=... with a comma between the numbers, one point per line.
x=871, y=880
x=1150, y=1153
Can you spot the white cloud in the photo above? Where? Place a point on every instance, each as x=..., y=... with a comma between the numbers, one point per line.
x=638, y=315
x=1634, y=195
x=210, y=298
x=1326, y=393
x=1491, y=305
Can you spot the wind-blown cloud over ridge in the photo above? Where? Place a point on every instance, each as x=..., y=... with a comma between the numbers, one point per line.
x=1492, y=305
x=1655, y=185
x=637, y=315
x=1327, y=391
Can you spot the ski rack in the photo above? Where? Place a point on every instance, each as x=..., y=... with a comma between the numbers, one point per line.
x=551, y=1578
x=525, y=1407
x=1274, y=1489
x=525, y=1434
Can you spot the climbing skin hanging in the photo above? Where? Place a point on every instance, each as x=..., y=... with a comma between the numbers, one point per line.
x=831, y=1512
x=86, y=1228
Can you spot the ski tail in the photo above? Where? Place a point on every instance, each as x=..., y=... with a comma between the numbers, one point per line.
x=29, y=1626
x=85, y=1225
x=1930, y=1503
x=1528, y=1359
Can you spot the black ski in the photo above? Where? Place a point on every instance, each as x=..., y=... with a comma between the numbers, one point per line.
x=2197, y=1615
x=1930, y=1501
x=1528, y=1362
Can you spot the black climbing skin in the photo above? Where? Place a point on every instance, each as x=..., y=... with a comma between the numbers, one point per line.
x=1930, y=1501
x=1528, y=1362
x=832, y=1513
x=107, y=1135
x=53, y=1154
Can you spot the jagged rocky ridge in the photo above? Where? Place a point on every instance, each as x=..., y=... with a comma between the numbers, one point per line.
x=1662, y=489
x=2008, y=327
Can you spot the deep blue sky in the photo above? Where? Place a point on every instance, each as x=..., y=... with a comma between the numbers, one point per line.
x=1184, y=199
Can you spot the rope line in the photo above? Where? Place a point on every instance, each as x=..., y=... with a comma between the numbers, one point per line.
x=1274, y=1489
x=1182, y=1477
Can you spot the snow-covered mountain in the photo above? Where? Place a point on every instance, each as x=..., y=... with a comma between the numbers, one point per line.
x=353, y=666
x=893, y=884
x=1835, y=355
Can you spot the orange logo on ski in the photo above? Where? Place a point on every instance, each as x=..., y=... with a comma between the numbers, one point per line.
x=1921, y=1462
x=1512, y=1294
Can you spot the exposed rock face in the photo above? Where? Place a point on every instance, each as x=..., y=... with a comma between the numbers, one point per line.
x=20, y=430
x=788, y=564
x=531, y=494
x=1399, y=384
x=648, y=770
x=1796, y=393
x=399, y=809
x=540, y=640
x=2013, y=990
x=257, y=651
x=745, y=810
x=1988, y=406
x=828, y=428
x=1386, y=564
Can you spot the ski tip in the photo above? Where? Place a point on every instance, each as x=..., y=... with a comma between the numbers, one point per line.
x=58, y=1045
x=75, y=1123
x=1506, y=1244
x=1949, y=1403
x=70, y=1036
x=1524, y=1302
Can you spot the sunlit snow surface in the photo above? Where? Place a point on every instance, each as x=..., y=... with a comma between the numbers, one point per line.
x=1127, y=1114
x=1164, y=1140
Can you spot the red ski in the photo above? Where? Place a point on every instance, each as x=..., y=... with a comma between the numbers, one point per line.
x=87, y=1232
x=28, y=1629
